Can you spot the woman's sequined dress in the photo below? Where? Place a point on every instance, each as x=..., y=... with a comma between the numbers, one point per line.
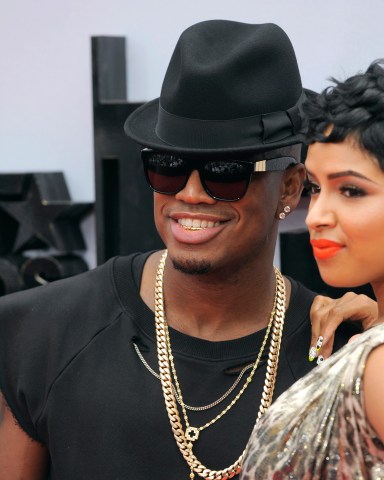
x=318, y=429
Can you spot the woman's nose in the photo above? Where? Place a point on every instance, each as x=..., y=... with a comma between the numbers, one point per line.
x=320, y=213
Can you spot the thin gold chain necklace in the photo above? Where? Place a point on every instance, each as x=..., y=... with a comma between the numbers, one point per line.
x=190, y=407
x=164, y=357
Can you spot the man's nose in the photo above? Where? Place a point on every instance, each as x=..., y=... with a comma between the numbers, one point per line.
x=194, y=192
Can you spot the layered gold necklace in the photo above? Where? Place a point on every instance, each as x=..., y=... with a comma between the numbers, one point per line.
x=185, y=439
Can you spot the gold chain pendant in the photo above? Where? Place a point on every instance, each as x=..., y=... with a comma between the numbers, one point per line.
x=192, y=433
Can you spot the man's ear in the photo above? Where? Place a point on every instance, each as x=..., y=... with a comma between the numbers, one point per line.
x=291, y=188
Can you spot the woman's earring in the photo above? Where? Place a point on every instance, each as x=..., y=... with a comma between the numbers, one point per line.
x=283, y=214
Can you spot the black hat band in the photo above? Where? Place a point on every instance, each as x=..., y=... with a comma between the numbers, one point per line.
x=240, y=132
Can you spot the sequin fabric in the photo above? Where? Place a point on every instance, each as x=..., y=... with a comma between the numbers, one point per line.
x=317, y=429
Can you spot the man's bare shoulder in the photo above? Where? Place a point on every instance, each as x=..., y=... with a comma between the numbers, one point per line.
x=20, y=456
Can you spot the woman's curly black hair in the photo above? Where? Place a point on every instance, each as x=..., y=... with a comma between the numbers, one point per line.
x=353, y=108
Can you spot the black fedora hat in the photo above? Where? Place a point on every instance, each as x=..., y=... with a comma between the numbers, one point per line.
x=230, y=88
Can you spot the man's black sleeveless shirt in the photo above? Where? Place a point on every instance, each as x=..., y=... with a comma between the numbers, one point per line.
x=74, y=382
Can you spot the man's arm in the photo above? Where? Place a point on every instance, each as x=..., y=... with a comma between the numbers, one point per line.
x=328, y=313
x=21, y=458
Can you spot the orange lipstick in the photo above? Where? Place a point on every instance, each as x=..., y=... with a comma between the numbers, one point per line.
x=323, y=248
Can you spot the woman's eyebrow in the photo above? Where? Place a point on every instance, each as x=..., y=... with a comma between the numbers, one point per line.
x=348, y=173
x=345, y=173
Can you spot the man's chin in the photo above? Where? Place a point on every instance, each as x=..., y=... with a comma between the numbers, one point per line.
x=192, y=267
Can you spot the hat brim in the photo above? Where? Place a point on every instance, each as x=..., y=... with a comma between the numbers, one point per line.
x=140, y=126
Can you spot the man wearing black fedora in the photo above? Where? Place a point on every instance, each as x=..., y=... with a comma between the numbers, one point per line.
x=157, y=365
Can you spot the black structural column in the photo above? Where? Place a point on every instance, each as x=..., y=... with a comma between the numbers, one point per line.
x=124, y=204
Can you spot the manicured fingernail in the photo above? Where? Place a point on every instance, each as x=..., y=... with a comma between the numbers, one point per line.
x=312, y=354
x=319, y=343
x=320, y=359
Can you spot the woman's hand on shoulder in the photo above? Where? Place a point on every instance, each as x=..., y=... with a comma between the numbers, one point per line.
x=327, y=314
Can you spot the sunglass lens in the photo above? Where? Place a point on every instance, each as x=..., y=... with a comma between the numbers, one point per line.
x=227, y=180
x=165, y=173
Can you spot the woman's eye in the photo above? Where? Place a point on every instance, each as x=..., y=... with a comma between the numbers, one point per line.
x=352, y=191
x=311, y=188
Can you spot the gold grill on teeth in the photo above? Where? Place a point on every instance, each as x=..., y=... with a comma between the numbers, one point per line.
x=193, y=228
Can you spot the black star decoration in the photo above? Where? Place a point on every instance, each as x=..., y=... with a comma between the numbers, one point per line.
x=46, y=216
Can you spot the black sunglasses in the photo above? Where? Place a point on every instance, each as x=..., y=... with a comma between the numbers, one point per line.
x=225, y=180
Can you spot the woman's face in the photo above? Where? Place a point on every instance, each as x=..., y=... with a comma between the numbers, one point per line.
x=346, y=213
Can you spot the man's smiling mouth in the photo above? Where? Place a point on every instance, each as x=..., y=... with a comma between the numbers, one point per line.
x=196, y=223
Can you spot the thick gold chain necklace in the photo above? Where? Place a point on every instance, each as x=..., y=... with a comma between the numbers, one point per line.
x=185, y=439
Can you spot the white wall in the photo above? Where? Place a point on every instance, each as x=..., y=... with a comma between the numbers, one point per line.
x=45, y=65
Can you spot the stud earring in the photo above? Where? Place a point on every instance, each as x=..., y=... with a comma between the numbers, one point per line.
x=283, y=214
